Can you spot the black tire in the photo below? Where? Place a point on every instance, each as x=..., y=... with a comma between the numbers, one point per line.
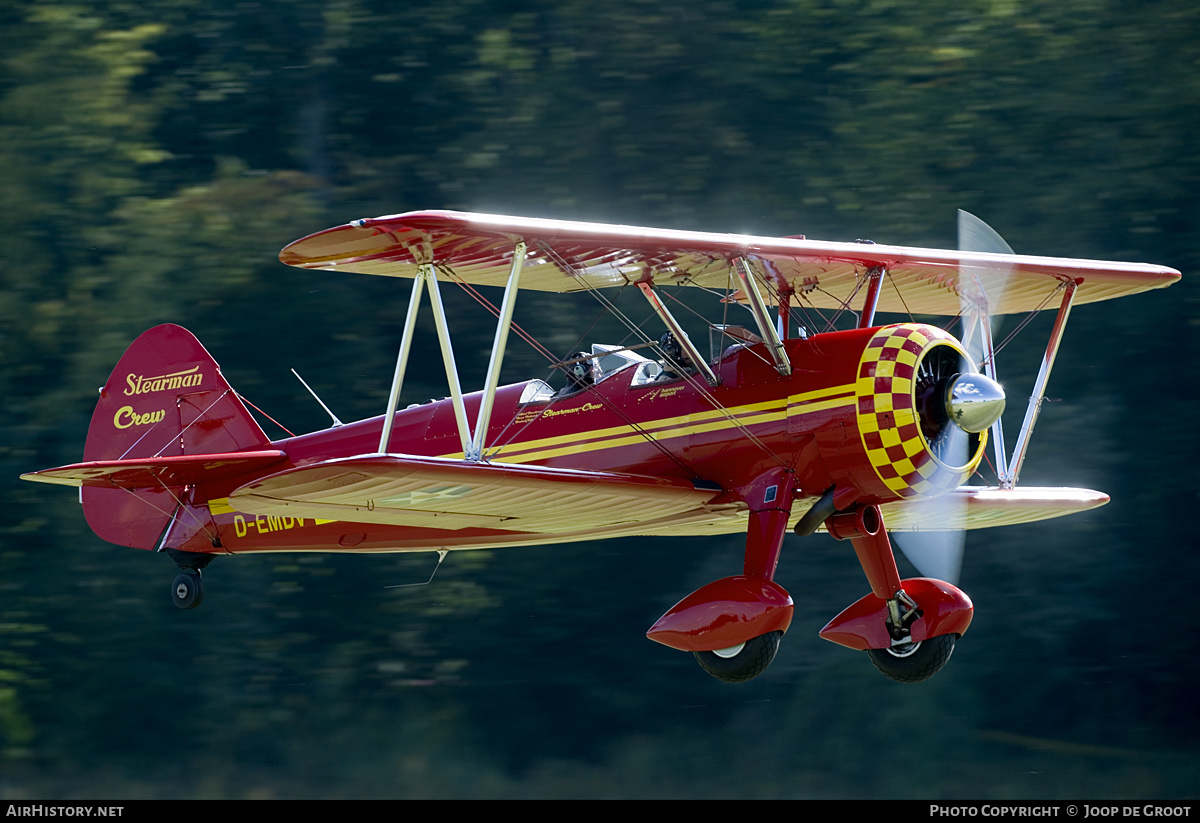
x=915, y=662
x=187, y=592
x=749, y=662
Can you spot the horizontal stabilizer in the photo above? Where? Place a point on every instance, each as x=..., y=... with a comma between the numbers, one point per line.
x=455, y=494
x=156, y=472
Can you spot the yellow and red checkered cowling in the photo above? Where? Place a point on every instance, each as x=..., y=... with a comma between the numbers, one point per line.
x=887, y=417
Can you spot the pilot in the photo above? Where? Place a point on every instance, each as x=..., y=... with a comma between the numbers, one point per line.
x=581, y=373
x=673, y=362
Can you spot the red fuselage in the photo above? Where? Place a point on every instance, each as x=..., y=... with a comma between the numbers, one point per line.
x=755, y=421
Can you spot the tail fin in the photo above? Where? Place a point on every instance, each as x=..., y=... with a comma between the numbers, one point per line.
x=166, y=397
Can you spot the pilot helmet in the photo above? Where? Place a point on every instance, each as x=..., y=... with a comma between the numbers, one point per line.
x=581, y=370
x=670, y=347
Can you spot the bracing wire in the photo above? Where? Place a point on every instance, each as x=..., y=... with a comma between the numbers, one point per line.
x=263, y=413
x=700, y=386
x=487, y=304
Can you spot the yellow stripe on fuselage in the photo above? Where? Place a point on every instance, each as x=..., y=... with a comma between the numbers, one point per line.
x=663, y=429
x=810, y=406
x=670, y=428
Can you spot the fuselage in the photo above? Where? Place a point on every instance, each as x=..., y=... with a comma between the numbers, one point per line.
x=755, y=421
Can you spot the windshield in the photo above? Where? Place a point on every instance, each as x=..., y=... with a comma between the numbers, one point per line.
x=612, y=359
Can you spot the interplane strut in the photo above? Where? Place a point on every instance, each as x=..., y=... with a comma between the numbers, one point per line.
x=473, y=443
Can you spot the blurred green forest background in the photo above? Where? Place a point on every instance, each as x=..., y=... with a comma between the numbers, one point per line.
x=155, y=157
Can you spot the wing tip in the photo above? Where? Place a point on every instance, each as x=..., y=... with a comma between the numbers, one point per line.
x=48, y=476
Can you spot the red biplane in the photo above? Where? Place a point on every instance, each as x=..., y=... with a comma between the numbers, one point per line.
x=781, y=427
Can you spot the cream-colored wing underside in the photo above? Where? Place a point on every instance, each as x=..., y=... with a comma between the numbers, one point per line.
x=438, y=493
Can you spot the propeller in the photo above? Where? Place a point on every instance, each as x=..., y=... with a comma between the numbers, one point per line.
x=958, y=400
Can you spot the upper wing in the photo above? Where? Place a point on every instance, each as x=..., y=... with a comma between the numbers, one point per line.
x=452, y=494
x=565, y=256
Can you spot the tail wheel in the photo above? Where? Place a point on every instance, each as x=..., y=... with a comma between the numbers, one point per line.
x=187, y=592
x=914, y=662
x=742, y=662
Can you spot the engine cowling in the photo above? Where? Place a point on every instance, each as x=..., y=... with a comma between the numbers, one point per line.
x=919, y=419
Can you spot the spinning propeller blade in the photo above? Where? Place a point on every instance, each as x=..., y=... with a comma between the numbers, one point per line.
x=933, y=554
x=972, y=398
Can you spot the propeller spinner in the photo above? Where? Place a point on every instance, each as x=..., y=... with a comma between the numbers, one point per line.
x=974, y=402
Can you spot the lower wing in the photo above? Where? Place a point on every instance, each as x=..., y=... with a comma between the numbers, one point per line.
x=980, y=507
x=454, y=494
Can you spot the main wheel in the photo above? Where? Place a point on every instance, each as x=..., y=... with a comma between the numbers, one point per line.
x=187, y=592
x=914, y=662
x=742, y=662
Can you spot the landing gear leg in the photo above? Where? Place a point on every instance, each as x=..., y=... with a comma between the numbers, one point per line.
x=907, y=647
x=863, y=527
x=764, y=540
x=733, y=625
